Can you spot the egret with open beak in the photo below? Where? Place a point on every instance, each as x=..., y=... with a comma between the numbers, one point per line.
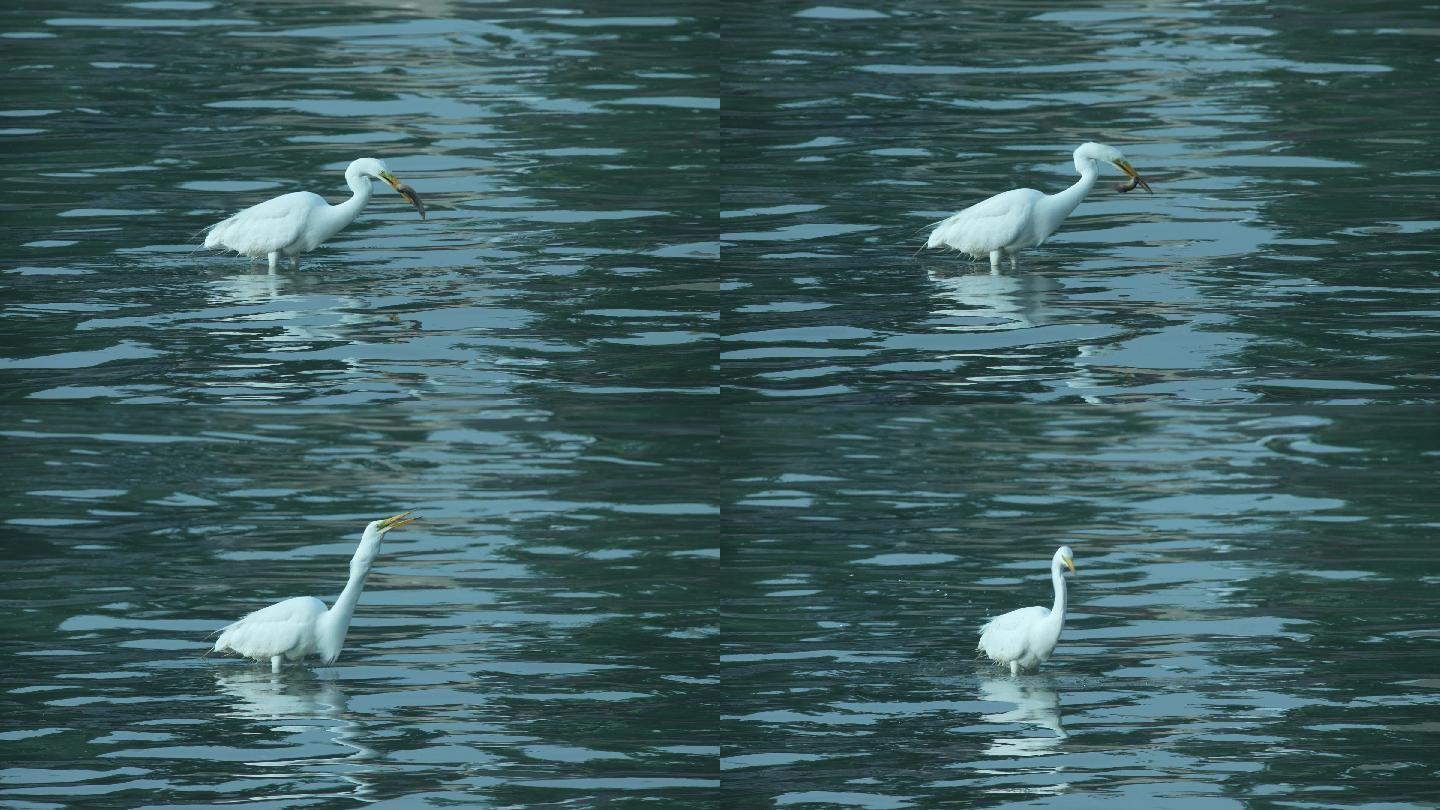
x=303, y=626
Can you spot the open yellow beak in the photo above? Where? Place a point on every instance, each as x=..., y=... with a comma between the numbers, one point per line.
x=1068, y=562
x=405, y=191
x=1135, y=179
x=395, y=522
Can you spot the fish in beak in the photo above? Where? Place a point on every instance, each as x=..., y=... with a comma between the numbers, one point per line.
x=405, y=191
x=1135, y=178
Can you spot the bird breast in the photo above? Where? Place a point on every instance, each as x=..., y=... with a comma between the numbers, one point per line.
x=999, y=223
x=285, y=628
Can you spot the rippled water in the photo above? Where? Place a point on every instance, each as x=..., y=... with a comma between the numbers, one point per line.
x=1251, y=620
x=189, y=437
x=652, y=572
x=910, y=436
x=1286, y=254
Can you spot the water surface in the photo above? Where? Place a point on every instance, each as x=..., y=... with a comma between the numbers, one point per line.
x=1220, y=395
x=1250, y=624
x=189, y=438
x=1286, y=255
x=647, y=574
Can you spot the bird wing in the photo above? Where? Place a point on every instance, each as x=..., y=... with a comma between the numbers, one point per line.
x=275, y=630
x=1004, y=637
x=266, y=227
x=987, y=225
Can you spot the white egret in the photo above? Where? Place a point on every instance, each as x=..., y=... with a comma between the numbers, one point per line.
x=295, y=628
x=1024, y=638
x=1023, y=217
x=297, y=223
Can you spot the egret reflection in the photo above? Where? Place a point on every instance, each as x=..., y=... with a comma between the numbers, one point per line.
x=295, y=694
x=991, y=301
x=1036, y=703
x=248, y=288
x=296, y=704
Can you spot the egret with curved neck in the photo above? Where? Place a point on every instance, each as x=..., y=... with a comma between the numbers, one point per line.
x=297, y=223
x=1024, y=638
x=1023, y=217
x=303, y=626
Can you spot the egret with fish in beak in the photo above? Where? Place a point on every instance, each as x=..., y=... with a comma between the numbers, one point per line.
x=1024, y=218
x=297, y=223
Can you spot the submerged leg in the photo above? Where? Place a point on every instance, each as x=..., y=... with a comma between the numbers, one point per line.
x=994, y=259
x=274, y=265
x=1014, y=669
x=295, y=262
x=275, y=663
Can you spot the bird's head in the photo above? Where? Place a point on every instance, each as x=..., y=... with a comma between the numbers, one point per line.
x=372, y=167
x=369, y=547
x=380, y=527
x=374, y=532
x=1066, y=558
x=1103, y=153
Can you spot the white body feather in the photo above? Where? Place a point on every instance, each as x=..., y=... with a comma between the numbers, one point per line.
x=286, y=629
x=297, y=223
x=1006, y=222
x=1023, y=639
x=1021, y=218
x=300, y=627
x=290, y=224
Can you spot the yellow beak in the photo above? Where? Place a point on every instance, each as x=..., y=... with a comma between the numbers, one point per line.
x=1068, y=563
x=395, y=522
x=1133, y=175
x=405, y=191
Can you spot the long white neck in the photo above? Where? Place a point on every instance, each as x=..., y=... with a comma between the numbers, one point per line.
x=1057, y=578
x=336, y=217
x=1056, y=207
x=362, y=186
x=336, y=621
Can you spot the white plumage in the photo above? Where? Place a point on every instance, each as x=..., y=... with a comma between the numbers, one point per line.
x=297, y=223
x=286, y=629
x=300, y=627
x=1024, y=638
x=1023, y=218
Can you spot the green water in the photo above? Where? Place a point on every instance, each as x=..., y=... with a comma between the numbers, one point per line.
x=719, y=476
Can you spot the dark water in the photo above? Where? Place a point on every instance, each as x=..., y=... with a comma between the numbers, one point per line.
x=187, y=437
x=1251, y=622
x=1220, y=395
x=716, y=529
x=1287, y=254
